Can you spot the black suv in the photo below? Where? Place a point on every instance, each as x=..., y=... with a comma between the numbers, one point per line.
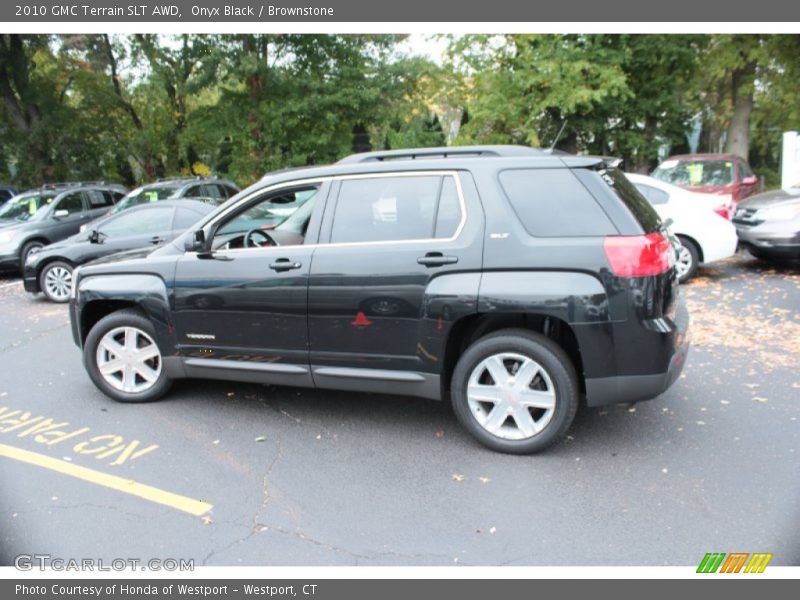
x=512, y=281
x=49, y=214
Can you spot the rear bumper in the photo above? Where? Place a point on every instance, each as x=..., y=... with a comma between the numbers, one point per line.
x=672, y=341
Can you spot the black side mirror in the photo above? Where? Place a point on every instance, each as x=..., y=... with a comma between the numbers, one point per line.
x=94, y=237
x=196, y=241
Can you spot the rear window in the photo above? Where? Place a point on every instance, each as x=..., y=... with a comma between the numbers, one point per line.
x=643, y=211
x=553, y=203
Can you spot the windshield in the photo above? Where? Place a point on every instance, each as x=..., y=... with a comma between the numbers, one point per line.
x=144, y=195
x=25, y=206
x=696, y=173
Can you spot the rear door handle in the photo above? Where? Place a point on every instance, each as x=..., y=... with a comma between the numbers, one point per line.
x=436, y=259
x=156, y=239
x=284, y=264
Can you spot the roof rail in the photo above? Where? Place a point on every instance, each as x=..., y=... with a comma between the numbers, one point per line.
x=442, y=152
x=178, y=178
x=68, y=184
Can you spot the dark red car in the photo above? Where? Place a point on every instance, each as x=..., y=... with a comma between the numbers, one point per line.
x=725, y=174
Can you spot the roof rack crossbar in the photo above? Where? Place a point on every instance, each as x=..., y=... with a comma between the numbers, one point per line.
x=441, y=152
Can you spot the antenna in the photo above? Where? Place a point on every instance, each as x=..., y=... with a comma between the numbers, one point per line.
x=558, y=135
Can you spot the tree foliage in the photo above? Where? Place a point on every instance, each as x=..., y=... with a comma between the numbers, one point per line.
x=135, y=107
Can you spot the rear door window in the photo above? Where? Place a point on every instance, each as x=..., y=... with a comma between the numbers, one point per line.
x=99, y=199
x=554, y=203
x=379, y=209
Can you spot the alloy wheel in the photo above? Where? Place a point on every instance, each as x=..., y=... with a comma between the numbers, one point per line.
x=511, y=396
x=128, y=359
x=684, y=260
x=58, y=283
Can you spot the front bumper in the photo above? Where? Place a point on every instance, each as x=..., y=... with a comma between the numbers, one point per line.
x=779, y=238
x=30, y=276
x=9, y=262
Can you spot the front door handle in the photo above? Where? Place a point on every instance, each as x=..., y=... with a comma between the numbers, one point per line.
x=284, y=264
x=156, y=239
x=437, y=259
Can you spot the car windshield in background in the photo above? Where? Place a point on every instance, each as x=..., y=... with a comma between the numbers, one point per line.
x=145, y=196
x=696, y=173
x=22, y=208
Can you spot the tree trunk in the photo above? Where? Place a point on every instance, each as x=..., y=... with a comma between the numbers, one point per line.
x=738, y=140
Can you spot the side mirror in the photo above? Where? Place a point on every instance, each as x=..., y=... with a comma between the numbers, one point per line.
x=196, y=241
x=751, y=180
x=94, y=237
x=60, y=214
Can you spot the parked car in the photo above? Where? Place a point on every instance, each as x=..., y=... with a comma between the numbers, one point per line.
x=705, y=235
x=173, y=189
x=50, y=270
x=522, y=281
x=768, y=225
x=726, y=175
x=6, y=193
x=36, y=218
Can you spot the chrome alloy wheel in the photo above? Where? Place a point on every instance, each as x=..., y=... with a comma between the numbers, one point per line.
x=683, y=264
x=128, y=359
x=511, y=396
x=58, y=283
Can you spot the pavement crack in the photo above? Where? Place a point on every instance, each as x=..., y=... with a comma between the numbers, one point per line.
x=33, y=338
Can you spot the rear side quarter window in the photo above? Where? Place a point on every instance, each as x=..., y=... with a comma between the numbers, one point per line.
x=554, y=203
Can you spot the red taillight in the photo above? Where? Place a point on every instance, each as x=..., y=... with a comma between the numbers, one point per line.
x=638, y=255
x=724, y=211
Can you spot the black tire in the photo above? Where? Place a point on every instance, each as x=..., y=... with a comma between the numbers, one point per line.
x=50, y=267
x=27, y=249
x=694, y=255
x=122, y=318
x=550, y=356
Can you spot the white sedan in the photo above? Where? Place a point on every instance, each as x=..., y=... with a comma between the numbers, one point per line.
x=705, y=235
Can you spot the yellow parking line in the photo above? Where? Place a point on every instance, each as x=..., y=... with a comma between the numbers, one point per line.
x=189, y=505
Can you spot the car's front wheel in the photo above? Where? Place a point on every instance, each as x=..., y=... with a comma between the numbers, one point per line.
x=55, y=281
x=33, y=246
x=516, y=391
x=123, y=358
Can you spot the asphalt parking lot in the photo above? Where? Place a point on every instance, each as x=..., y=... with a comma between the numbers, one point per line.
x=241, y=474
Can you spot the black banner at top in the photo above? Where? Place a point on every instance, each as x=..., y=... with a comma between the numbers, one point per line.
x=451, y=11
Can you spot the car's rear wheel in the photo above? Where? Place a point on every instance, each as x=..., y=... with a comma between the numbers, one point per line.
x=55, y=281
x=688, y=260
x=33, y=246
x=123, y=358
x=516, y=391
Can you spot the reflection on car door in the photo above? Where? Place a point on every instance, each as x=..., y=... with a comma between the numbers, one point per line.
x=243, y=311
x=390, y=239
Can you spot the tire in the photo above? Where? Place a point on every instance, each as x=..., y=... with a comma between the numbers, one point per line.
x=128, y=383
x=55, y=281
x=552, y=374
x=27, y=249
x=688, y=260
